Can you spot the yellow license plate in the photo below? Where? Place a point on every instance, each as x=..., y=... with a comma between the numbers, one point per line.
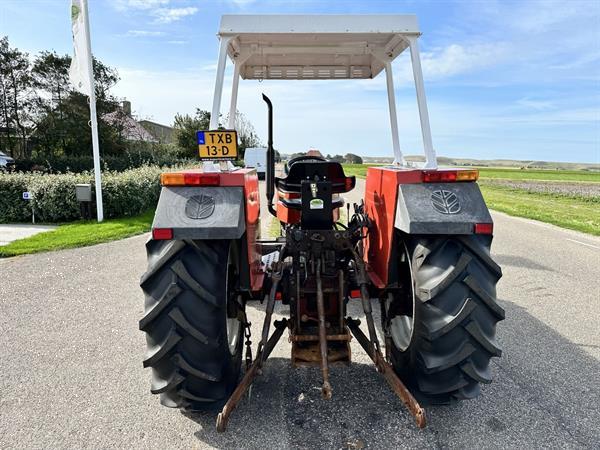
x=221, y=144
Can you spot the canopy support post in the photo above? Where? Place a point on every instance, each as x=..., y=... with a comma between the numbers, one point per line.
x=216, y=106
x=430, y=158
x=234, y=95
x=389, y=78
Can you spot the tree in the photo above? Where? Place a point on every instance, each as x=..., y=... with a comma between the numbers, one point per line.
x=186, y=127
x=49, y=73
x=247, y=137
x=15, y=92
x=62, y=114
x=296, y=155
x=351, y=158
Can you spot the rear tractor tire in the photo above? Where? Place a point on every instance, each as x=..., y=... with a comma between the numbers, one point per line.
x=193, y=322
x=441, y=323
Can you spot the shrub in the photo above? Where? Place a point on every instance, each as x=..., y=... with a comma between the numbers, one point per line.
x=135, y=156
x=125, y=193
x=12, y=205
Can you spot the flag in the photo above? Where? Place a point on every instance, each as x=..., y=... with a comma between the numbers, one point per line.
x=82, y=77
x=79, y=72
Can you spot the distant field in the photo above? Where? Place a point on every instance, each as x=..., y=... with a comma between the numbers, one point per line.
x=583, y=190
x=492, y=163
x=567, y=198
x=547, y=175
x=360, y=170
x=576, y=214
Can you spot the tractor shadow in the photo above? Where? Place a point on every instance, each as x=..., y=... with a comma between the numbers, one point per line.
x=544, y=394
x=520, y=262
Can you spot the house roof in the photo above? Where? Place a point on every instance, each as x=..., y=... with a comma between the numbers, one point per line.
x=131, y=129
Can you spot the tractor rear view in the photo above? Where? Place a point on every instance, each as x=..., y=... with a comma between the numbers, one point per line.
x=417, y=247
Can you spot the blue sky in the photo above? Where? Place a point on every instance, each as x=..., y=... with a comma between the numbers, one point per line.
x=504, y=79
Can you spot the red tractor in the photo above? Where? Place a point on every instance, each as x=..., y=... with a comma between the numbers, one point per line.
x=418, y=247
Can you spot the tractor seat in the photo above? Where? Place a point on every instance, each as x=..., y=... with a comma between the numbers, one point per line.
x=310, y=167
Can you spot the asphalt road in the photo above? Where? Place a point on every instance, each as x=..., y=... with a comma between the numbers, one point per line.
x=72, y=377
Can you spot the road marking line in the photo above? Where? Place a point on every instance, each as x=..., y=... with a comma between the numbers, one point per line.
x=583, y=243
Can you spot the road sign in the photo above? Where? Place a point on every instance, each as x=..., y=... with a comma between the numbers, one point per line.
x=27, y=195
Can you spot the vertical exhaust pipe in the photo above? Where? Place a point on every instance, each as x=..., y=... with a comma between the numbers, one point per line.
x=270, y=178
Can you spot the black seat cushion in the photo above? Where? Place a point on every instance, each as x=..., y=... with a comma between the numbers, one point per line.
x=308, y=169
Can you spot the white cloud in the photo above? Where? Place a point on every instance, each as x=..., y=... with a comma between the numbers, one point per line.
x=456, y=59
x=144, y=33
x=124, y=5
x=158, y=9
x=177, y=42
x=538, y=105
x=242, y=3
x=550, y=40
x=168, y=15
x=441, y=63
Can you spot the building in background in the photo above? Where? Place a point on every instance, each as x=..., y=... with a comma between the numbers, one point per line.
x=138, y=131
x=164, y=133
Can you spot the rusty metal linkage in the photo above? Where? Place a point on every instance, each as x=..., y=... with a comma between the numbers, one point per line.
x=362, y=279
x=341, y=298
x=388, y=373
x=240, y=390
x=312, y=337
x=326, y=389
x=276, y=277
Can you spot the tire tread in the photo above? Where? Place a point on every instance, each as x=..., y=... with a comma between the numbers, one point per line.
x=184, y=321
x=455, y=320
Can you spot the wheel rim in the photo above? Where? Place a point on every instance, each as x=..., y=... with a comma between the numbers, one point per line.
x=233, y=333
x=232, y=324
x=402, y=326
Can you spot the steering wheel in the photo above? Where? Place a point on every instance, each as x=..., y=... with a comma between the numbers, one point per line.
x=302, y=158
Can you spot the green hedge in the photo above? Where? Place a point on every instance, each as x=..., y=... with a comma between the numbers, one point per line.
x=125, y=193
x=125, y=161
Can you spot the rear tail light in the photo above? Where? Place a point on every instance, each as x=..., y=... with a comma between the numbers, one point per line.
x=349, y=183
x=355, y=293
x=467, y=175
x=449, y=176
x=289, y=195
x=190, y=179
x=161, y=234
x=484, y=228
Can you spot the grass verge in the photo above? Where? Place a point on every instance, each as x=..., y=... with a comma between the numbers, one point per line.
x=575, y=214
x=274, y=230
x=80, y=234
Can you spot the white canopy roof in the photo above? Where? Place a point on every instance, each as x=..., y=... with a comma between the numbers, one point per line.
x=321, y=47
x=315, y=46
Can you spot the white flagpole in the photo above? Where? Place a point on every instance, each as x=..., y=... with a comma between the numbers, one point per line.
x=93, y=118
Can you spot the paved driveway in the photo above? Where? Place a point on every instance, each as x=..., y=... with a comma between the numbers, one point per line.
x=71, y=371
x=12, y=232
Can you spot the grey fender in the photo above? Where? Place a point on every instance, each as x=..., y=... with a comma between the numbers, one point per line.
x=201, y=212
x=440, y=208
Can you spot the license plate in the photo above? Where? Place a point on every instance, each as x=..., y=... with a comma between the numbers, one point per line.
x=221, y=144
